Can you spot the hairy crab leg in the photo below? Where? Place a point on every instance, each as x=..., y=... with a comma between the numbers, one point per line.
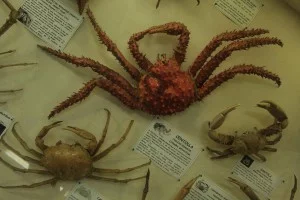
x=275, y=140
x=95, y=66
x=221, y=154
x=39, y=141
x=146, y=187
x=84, y=92
x=245, y=188
x=27, y=158
x=91, y=146
x=216, y=123
x=24, y=144
x=228, y=74
x=81, y=5
x=185, y=189
x=35, y=171
x=118, y=171
x=51, y=181
x=115, y=145
x=112, y=47
x=175, y=28
x=217, y=41
x=215, y=61
x=11, y=20
x=270, y=149
x=104, y=133
x=114, y=179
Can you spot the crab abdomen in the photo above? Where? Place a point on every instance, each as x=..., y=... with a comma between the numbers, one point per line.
x=67, y=162
x=165, y=95
x=250, y=143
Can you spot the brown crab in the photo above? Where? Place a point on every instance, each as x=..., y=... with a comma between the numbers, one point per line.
x=165, y=89
x=69, y=162
x=250, y=142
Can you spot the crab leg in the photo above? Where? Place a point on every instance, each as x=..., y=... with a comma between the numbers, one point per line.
x=216, y=123
x=86, y=135
x=270, y=149
x=186, y=189
x=114, y=179
x=112, y=47
x=215, y=61
x=294, y=190
x=24, y=144
x=84, y=92
x=35, y=171
x=261, y=157
x=113, y=146
x=245, y=188
x=95, y=66
x=146, y=187
x=221, y=154
x=7, y=52
x=27, y=158
x=39, y=141
x=11, y=20
x=104, y=132
x=16, y=64
x=228, y=74
x=51, y=181
x=118, y=171
x=217, y=41
x=10, y=91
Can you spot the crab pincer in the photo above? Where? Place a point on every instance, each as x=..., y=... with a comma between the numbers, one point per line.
x=245, y=188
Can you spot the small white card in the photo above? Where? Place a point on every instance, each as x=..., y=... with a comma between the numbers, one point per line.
x=6, y=120
x=256, y=175
x=206, y=189
x=50, y=20
x=82, y=191
x=167, y=148
x=241, y=12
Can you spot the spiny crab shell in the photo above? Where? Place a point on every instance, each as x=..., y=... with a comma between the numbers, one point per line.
x=166, y=89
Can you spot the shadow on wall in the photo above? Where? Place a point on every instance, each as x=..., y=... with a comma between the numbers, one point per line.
x=294, y=4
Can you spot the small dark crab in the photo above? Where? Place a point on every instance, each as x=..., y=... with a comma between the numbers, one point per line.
x=253, y=141
x=69, y=162
x=158, y=2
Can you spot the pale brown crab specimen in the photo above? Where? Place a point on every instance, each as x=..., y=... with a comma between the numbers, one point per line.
x=249, y=143
x=69, y=162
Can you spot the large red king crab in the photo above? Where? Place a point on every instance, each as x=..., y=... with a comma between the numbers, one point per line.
x=165, y=89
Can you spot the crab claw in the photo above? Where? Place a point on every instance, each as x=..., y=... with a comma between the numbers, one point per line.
x=245, y=188
x=276, y=111
x=220, y=118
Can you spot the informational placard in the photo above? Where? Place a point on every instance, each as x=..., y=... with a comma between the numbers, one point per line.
x=169, y=149
x=256, y=175
x=82, y=191
x=206, y=189
x=50, y=20
x=6, y=120
x=241, y=12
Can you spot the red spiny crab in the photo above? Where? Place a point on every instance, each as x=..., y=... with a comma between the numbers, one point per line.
x=165, y=89
x=253, y=141
x=69, y=162
x=158, y=2
x=81, y=5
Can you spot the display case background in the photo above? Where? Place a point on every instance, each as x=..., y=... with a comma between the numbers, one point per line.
x=52, y=80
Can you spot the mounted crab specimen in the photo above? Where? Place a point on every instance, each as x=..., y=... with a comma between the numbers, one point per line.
x=81, y=5
x=69, y=162
x=251, y=194
x=158, y=2
x=250, y=142
x=165, y=89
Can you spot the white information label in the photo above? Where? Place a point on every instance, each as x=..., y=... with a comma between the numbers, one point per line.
x=241, y=12
x=256, y=175
x=5, y=121
x=170, y=150
x=82, y=191
x=50, y=20
x=206, y=189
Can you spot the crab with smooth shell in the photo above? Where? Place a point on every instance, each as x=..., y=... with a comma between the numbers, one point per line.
x=69, y=162
x=165, y=89
x=250, y=142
